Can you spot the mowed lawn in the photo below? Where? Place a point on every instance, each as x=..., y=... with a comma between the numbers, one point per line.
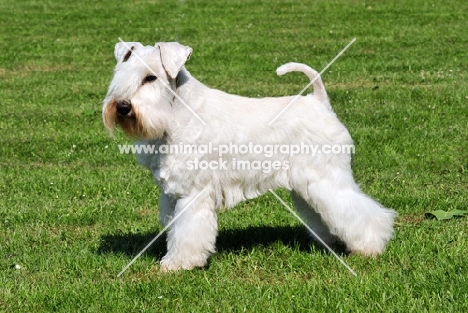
x=74, y=211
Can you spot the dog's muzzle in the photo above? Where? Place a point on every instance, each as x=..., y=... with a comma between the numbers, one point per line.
x=123, y=107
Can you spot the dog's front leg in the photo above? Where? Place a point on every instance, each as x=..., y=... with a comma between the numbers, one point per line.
x=166, y=208
x=192, y=236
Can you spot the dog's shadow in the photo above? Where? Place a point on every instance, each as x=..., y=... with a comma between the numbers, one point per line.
x=232, y=240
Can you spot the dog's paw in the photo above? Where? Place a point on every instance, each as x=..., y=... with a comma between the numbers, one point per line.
x=166, y=268
x=369, y=248
x=168, y=265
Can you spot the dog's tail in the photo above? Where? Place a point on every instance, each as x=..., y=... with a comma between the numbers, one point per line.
x=314, y=76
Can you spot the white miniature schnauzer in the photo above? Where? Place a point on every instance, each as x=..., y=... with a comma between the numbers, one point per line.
x=154, y=99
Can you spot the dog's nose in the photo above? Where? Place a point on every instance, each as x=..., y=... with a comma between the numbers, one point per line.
x=123, y=107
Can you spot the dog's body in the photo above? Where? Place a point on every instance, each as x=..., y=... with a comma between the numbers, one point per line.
x=141, y=102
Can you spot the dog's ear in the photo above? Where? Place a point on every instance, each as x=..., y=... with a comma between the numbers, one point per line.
x=123, y=50
x=173, y=56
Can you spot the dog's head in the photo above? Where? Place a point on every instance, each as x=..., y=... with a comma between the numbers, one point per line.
x=141, y=92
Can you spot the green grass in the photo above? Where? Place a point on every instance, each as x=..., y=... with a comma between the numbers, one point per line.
x=74, y=212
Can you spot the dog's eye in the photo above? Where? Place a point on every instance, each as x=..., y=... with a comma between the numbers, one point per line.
x=149, y=79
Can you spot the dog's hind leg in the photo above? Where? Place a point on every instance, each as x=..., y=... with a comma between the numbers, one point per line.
x=360, y=222
x=313, y=220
